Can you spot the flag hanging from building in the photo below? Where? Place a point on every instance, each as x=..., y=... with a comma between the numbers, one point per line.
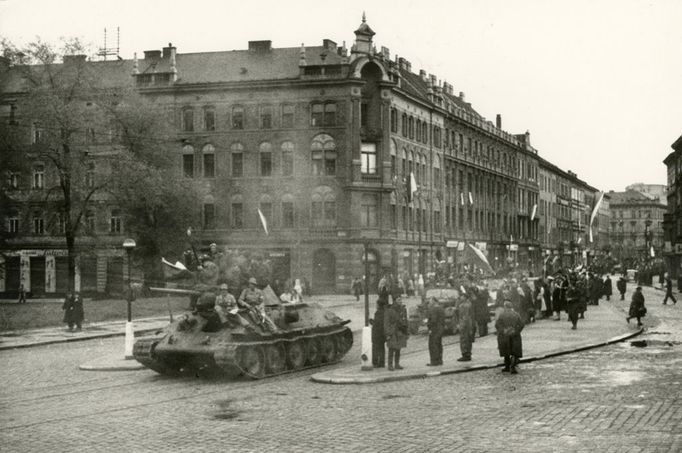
x=471, y=199
x=461, y=198
x=411, y=187
x=653, y=253
x=532, y=214
x=594, y=213
x=263, y=221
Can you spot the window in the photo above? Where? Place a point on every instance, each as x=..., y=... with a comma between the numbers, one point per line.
x=410, y=127
x=287, y=212
x=116, y=222
x=404, y=124
x=237, y=215
x=188, y=161
x=323, y=156
x=90, y=136
x=90, y=175
x=287, y=159
x=265, y=152
x=368, y=156
x=368, y=211
x=13, y=180
x=363, y=114
x=188, y=119
x=419, y=131
x=13, y=223
x=89, y=222
x=317, y=115
x=394, y=120
x=36, y=134
x=436, y=172
x=61, y=223
x=38, y=223
x=287, y=116
x=323, y=208
x=209, y=119
x=266, y=117
x=237, y=117
x=209, y=161
x=209, y=216
x=330, y=114
x=236, y=151
x=39, y=177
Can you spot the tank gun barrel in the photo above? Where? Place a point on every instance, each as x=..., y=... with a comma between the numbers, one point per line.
x=187, y=292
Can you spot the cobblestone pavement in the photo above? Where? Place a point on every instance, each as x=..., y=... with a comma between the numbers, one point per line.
x=619, y=398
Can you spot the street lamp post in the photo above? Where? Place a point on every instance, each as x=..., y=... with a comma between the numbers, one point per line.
x=128, y=246
x=366, y=353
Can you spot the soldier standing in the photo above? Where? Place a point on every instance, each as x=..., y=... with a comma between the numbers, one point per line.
x=436, y=325
x=395, y=328
x=509, y=326
x=466, y=328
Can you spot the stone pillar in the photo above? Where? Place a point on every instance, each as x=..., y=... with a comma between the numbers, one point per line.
x=25, y=272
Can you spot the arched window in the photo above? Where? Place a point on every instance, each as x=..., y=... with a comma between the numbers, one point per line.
x=394, y=120
x=188, y=161
x=237, y=156
x=419, y=130
x=265, y=158
x=188, y=119
x=287, y=158
x=394, y=157
x=288, y=220
x=237, y=212
x=323, y=207
x=323, y=155
x=436, y=172
x=410, y=163
x=410, y=126
x=403, y=158
x=208, y=153
x=404, y=124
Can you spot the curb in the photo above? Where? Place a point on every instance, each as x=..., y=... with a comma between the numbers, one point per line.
x=132, y=366
x=75, y=339
x=423, y=375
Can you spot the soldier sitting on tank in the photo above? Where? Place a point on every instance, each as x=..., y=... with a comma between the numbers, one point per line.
x=252, y=297
x=205, y=309
x=225, y=304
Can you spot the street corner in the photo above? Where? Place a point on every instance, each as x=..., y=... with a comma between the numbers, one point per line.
x=112, y=363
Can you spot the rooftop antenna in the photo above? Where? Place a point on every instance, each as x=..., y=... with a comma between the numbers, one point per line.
x=106, y=51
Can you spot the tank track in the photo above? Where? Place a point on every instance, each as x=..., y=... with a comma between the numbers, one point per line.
x=266, y=358
x=143, y=351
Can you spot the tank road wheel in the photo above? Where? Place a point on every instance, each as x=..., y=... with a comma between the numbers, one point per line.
x=327, y=349
x=344, y=341
x=252, y=361
x=275, y=358
x=295, y=355
x=312, y=351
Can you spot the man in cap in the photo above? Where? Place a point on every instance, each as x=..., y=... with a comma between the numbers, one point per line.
x=224, y=303
x=436, y=325
x=252, y=297
x=466, y=325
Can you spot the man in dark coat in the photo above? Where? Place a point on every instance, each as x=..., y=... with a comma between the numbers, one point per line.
x=466, y=327
x=637, y=308
x=378, y=337
x=73, y=311
x=481, y=312
x=621, y=285
x=608, y=287
x=395, y=329
x=668, y=290
x=436, y=325
x=509, y=326
x=573, y=303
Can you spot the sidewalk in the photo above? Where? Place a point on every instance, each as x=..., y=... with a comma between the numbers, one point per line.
x=603, y=324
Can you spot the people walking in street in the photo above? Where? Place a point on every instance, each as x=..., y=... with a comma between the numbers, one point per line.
x=466, y=327
x=621, y=285
x=378, y=336
x=395, y=329
x=637, y=308
x=436, y=325
x=668, y=290
x=509, y=326
x=573, y=303
x=22, y=294
x=73, y=311
x=608, y=287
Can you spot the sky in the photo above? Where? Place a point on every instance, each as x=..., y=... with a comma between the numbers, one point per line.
x=598, y=83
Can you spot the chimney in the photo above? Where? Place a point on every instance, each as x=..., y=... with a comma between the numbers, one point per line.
x=498, y=121
x=401, y=63
x=169, y=51
x=151, y=54
x=422, y=74
x=73, y=59
x=385, y=53
x=329, y=45
x=264, y=46
x=434, y=79
x=408, y=66
x=461, y=96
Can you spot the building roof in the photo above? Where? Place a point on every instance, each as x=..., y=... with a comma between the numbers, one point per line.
x=632, y=197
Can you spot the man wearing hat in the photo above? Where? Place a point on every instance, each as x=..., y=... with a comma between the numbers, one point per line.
x=224, y=303
x=251, y=295
x=509, y=326
x=637, y=308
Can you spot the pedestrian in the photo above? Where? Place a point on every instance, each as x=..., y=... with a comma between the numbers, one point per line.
x=410, y=287
x=668, y=290
x=466, y=326
x=573, y=303
x=357, y=288
x=436, y=326
x=608, y=287
x=22, y=294
x=621, y=285
x=509, y=326
x=73, y=311
x=378, y=336
x=395, y=329
x=481, y=312
x=394, y=288
x=637, y=308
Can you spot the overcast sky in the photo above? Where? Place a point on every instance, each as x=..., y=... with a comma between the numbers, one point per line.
x=598, y=83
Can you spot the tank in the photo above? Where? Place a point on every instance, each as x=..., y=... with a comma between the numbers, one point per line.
x=294, y=336
x=448, y=299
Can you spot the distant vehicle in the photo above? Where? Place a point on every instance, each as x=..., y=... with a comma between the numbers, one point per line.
x=631, y=274
x=418, y=315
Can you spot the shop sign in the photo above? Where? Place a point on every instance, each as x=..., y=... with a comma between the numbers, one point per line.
x=451, y=244
x=37, y=252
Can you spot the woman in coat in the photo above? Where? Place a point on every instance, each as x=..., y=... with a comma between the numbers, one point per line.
x=509, y=326
x=73, y=311
x=637, y=308
x=395, y=331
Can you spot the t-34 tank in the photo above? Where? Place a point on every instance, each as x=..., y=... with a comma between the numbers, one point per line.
x=291, y=336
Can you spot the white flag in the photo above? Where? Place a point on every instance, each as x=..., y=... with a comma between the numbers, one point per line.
x=653, y=253
x=263, y=221
x=461, y=198
x=594, y=213
x=471, y=199
x=412, y=188
x=532, y=215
